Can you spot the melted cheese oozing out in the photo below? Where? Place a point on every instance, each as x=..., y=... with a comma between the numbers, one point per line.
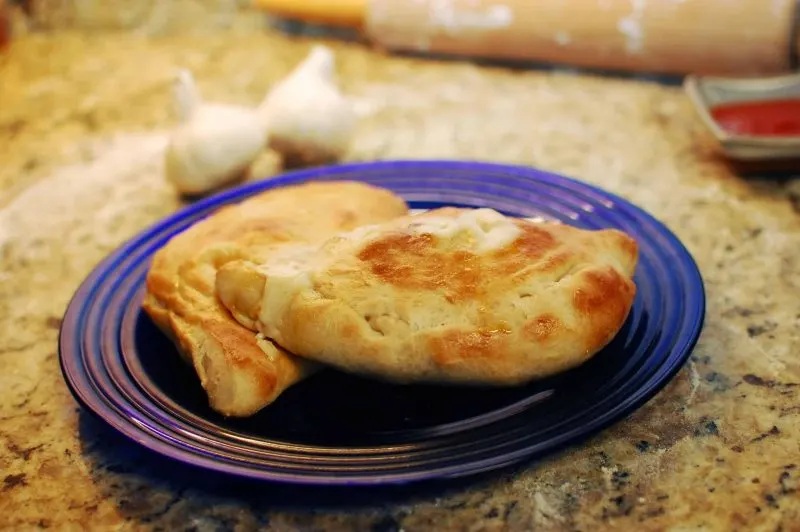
x=279, y=292
x=534, y=219
x=488, y=229
x=287, y=274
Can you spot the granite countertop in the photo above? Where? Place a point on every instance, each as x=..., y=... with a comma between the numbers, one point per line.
x=83, y=122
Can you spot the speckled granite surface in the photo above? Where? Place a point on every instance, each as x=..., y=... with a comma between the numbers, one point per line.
x=82, y=125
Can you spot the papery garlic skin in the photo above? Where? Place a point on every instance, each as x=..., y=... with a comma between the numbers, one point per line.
x=308, y=119
x=214, y=144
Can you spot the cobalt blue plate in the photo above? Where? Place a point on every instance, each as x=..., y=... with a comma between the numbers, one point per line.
x=339, y=429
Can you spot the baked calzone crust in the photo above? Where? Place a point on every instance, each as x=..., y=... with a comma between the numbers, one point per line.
x=241, y=371
x=451, y=296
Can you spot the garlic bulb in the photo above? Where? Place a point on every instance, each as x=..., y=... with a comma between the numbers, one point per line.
x=214, y=143
x=309, y=121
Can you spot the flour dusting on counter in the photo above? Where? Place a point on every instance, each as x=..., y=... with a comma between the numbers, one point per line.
x=89, y=200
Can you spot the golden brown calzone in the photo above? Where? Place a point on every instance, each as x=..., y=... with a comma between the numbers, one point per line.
x=241, y=372
x=449, y=296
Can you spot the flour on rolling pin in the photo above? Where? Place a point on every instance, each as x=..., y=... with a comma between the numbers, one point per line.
x=631, y=27
x=734, y=37
x=446, y=15
x=640, y=35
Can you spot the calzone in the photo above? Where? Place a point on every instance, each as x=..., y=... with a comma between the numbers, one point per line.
x=242, y=371
x=453, y=295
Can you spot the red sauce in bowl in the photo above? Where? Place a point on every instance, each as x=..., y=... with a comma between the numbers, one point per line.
x=776, y=118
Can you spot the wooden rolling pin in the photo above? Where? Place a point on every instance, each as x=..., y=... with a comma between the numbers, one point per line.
x=733, y=37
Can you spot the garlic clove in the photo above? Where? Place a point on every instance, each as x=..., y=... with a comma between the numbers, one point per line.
x=214, y=144
x=185, y=95
x=308, y=119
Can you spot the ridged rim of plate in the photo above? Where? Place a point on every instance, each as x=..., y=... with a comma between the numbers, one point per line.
x=100, y=366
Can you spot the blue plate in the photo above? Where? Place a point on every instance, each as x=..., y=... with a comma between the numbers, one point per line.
x=340, y=429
